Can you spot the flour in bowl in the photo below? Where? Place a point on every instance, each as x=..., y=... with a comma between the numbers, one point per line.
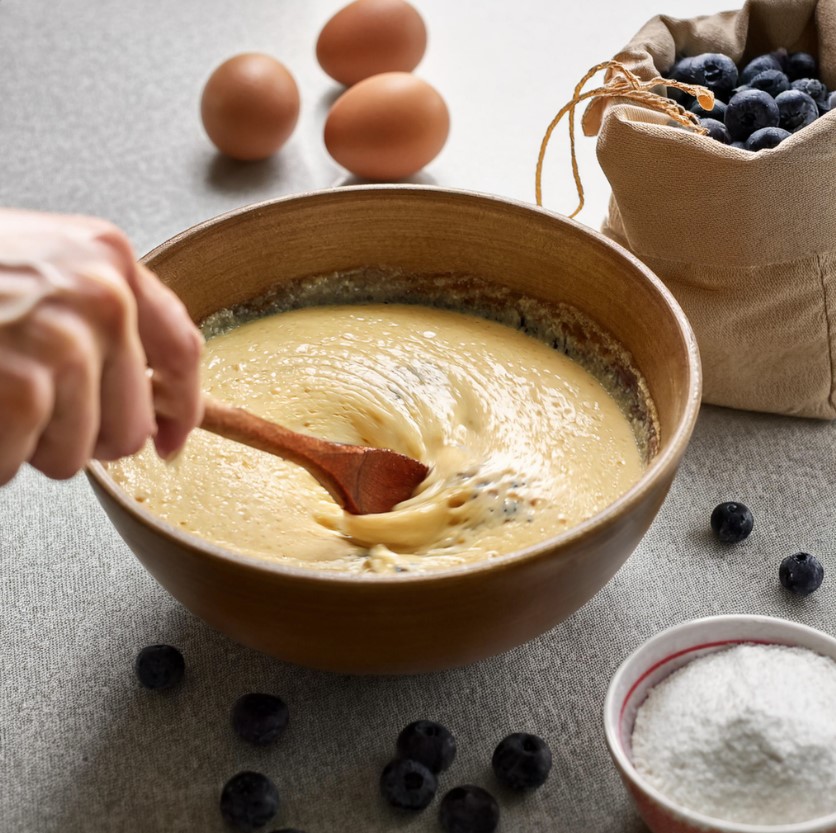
x=747, y=735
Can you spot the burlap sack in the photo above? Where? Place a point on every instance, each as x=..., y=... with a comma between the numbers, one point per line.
x=745, y=241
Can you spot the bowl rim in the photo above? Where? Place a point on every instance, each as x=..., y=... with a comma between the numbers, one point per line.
x=658, y=469
x=796, y=632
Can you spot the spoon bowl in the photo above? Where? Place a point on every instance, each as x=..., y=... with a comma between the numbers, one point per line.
x=361, y=479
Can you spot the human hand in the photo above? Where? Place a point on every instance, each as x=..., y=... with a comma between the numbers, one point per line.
x=96, y=355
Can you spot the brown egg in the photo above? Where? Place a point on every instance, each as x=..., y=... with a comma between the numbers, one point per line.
x=387, y=127
x=368, y=37
x=250, y=105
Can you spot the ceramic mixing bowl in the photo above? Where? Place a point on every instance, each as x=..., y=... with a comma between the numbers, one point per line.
x=660, y=656
x=419, y=622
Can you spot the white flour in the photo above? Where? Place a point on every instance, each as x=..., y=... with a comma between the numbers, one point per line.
x=747, y=734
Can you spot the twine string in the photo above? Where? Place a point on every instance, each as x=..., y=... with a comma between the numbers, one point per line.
x=626, y=85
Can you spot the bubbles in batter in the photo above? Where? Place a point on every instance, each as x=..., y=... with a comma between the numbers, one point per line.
x=522, y=442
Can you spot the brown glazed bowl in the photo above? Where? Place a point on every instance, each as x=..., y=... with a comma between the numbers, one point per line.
x=418, y=622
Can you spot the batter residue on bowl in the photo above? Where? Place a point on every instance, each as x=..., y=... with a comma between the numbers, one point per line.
x=523, y=442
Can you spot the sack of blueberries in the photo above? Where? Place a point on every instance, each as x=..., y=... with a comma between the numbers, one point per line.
x=740, y=223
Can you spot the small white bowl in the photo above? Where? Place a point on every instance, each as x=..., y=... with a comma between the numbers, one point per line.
x=654, y=660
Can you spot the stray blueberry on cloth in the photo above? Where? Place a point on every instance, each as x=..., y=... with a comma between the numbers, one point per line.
x=795, y=110
x=468, y=809
x=732, y=522
x=801, y=65
x=522, y=761
x=259, y=718
x=407, y=784
x=159, y=666
x=758, y=65
x=771, y=81
x=716, y=130
x=801, y=573
x=766, y=138
x=750, y=111
x=428, y=742
x=249, y=800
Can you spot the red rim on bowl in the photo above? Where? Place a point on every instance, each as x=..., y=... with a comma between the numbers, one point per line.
x=663, y=654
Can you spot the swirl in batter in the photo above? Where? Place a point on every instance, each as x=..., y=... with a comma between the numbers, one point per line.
x=522, y=442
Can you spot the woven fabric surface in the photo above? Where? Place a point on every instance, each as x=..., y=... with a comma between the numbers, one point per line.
x=99, y=115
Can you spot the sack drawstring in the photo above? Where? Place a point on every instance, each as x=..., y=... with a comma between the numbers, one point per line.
x=630, y=86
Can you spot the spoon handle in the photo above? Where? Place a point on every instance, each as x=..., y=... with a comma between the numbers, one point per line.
x=244, y=427
x=362, y=480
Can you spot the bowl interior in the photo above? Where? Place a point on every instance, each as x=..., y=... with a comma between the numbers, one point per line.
x=425, y=620
x=671, y=649
x=430, y=231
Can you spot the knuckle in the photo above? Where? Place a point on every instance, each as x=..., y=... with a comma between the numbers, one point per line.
x=29, y=395
x=117, y=245
x=78, y=356
x=114, y=306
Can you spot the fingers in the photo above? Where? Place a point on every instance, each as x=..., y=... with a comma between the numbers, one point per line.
x=66, y=442
x=171, y=342
x=127, y=411
x=73, y=362
x=173, y=346
x=26, y=402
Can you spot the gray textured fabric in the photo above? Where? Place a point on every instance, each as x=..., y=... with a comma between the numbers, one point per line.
x=98, y=114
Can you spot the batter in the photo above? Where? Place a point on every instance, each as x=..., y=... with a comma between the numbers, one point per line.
x=523, y=443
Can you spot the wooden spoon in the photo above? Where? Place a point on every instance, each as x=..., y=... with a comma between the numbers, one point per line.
x=362, y=480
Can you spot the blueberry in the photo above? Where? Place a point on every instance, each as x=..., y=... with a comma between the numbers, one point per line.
x=801, y=573
x=259, y=718
x=718, y=112
x=732, y=521
x=813, y=87
x=682, y=71
x=831, y=101
x=783, y=58
x=750, y=111
x=522, y=761
x=795, y=110
x=767, y=138
x=468, y=809
x=159, y=666
x=716, y=130
x=407, y=784
x=758, y=65
x=249, y=800
x=771, y=81
x=740, y=89
x=715, y=71
x=739, y=145
x=430, y=743
x=801, y=65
